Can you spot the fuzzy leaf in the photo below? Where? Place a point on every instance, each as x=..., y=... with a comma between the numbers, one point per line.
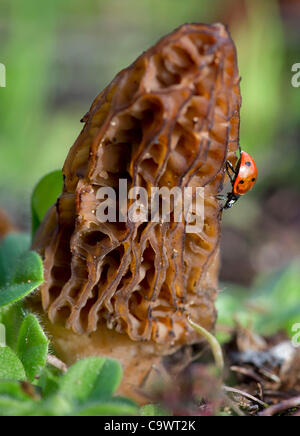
x=56, y=405
x=12, y=317
x=32, y=346
x=107, y=381
x=11, y=367
x=91, y=378
x=27, y=276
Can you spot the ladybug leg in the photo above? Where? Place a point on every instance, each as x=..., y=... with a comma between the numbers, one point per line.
x=228, y=168
x=221, y=197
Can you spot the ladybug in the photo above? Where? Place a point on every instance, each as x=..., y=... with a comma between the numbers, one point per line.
x=242, y=177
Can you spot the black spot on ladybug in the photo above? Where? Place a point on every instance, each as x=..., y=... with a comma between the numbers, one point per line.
x=248, y=164
x=241, y=182
x=253, y=180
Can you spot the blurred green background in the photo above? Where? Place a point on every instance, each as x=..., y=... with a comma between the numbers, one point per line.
x=60, y=54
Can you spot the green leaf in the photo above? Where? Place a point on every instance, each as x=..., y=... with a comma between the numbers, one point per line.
x=91, y=378
x=28, y=275
x=11, y=248
x=11, y=367
x=12, y=317
x=79, y=381
x=48, y=382
x=153, y=410
x=13, y=389
x=108, y=380
x=29, y=268
x=14, y=407
x=113, y=407
x=44, y=196
x=32, y=347
x=56, y=405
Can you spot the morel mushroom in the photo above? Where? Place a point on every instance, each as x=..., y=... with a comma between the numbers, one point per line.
x=124, y=289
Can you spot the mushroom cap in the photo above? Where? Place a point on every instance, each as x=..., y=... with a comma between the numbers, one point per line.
x=171, y=119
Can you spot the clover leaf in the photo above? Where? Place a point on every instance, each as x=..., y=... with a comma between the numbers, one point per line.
x=21, y=271
x=11, y=318
x=27, y=276
x=11, y=367
x=91, y=379
x=32, y=347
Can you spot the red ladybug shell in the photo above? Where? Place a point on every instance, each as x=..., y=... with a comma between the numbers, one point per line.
x=246, y=176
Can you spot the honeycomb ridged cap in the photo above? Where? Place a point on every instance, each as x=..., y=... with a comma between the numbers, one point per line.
x=171, y=119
